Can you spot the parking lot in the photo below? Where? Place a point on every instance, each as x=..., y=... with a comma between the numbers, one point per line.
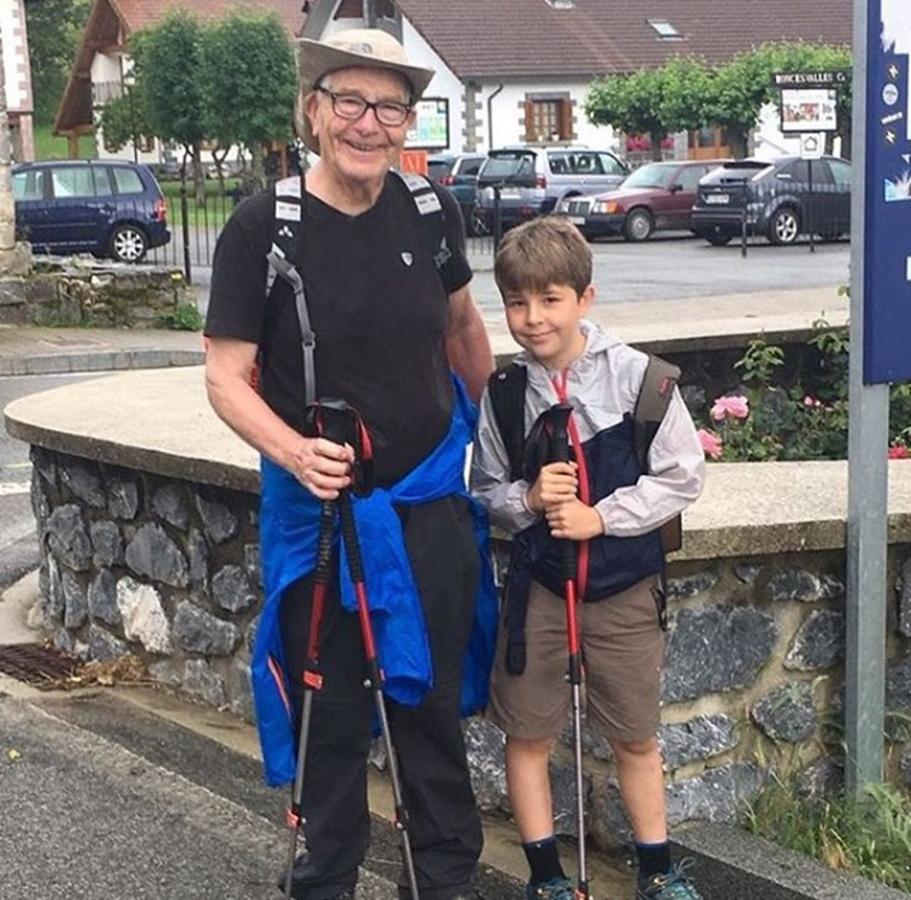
x=671, y=266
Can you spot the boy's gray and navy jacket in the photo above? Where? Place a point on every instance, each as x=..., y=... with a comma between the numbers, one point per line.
x=603, y=385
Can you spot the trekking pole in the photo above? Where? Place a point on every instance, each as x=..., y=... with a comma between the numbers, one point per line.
x=311, y=677
x=374, y=679
x=559, y=452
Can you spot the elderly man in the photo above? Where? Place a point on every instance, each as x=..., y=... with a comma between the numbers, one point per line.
x=385, y=293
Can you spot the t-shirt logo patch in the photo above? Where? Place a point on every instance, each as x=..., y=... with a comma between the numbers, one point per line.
x=407, y=258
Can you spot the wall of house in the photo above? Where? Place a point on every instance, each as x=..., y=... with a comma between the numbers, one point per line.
x=17, y=76
x=508, y=113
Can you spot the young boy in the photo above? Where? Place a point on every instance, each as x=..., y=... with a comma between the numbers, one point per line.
x=544, y=272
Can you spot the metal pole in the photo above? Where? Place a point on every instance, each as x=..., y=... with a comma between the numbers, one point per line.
x=810, y=216
x=185, y=229
x=867, y=485
x=743, y=220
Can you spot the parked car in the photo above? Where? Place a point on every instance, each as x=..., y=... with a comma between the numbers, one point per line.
x=657, y=196
x=781, y=199
x=460, y=175
x=534, y=180
x=105, y=207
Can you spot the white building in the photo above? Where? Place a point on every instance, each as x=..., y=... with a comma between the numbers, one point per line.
x=17, y=75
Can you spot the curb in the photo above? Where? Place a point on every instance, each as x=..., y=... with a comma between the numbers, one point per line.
x=731, y=863
x=99, y=361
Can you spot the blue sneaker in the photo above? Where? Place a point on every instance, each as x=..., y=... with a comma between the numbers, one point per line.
x=555, y=889
x=674, y=885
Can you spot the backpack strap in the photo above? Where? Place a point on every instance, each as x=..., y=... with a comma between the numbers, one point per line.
x=287, y=228
x=506, y=387
x=428, y=204
x=655, y=395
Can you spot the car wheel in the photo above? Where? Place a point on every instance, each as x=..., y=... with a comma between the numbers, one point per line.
x=128, y=244
x=785, y=226
x=639, y=225
x=718, y=238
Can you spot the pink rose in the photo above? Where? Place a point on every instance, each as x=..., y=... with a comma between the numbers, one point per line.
x=809, y=401
x=899, y=452
x=711, y=444
x=737, y=407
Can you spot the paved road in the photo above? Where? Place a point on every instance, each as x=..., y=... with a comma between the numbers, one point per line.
x=18, y=548
x=667, y=267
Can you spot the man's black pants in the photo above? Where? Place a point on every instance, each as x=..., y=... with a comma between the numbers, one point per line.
x=444, y=824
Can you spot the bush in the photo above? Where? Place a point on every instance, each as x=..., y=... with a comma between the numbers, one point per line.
x=768, y=421
x=183, y=317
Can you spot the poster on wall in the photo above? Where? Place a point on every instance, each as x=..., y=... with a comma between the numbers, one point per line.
x=431, y=127
x=887, y=199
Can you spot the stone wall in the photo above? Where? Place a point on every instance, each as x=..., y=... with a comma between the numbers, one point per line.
x=82, y=292
x=169, y=569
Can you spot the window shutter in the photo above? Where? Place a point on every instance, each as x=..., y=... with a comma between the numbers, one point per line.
x=566, y=120
x=530, y=136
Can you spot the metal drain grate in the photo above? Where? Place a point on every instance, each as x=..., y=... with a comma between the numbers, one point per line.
x=36, y=664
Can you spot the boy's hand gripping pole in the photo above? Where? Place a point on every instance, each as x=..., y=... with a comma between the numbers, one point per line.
x=559, y=451
x=312, y=678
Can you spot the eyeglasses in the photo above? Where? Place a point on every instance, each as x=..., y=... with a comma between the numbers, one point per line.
x=350, y=106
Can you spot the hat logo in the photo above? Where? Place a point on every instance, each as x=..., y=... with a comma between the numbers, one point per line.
x=407, y=258
x=356, y=48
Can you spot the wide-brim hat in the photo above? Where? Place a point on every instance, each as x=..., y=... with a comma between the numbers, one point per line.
x=355, y=47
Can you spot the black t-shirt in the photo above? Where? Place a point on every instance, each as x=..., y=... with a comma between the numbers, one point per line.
x=377, y=304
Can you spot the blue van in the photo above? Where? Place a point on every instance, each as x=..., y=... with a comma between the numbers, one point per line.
x=106, y=207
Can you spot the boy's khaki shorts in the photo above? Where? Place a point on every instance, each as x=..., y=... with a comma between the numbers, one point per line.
x=623, y=653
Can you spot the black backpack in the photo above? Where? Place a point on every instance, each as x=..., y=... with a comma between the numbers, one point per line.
x=507, y=396
x=287, y=222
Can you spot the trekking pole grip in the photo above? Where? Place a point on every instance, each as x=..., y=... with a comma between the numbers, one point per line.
x=324, y=548
x=349, y=535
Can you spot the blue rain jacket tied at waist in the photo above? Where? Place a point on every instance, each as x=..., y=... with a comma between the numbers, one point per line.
x=289, y=523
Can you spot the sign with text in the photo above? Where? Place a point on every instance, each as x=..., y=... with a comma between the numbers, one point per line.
x=431, y=127
x=808, y=109
x=887, y=198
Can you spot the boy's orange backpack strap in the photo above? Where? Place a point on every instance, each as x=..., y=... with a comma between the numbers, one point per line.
x=655, y=395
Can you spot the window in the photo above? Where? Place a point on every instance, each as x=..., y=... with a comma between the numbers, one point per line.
x=689, y=177
x=795, y=171
x=127, y=180
x=103, y=181
x=469, y=165
x=71, y=182
x=664, y=30
x=841, y=172
x=28, y=185
x=548, y=119
x=585, y=164
x=611, y=165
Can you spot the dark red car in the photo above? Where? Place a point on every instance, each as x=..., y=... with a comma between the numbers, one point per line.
x=657, y=196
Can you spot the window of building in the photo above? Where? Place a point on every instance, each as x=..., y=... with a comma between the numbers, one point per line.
x=664, y=30
x=548, y=119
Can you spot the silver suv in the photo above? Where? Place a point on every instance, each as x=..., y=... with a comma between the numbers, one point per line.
x=533, y=180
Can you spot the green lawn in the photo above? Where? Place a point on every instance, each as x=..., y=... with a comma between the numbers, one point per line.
x=48, y=146
x=217, y=208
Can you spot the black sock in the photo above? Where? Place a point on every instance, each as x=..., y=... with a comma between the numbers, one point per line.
x=543, y=860
x=654, y=859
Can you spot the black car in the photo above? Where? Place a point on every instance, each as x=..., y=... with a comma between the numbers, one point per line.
x=780, y=198
x=460, y=175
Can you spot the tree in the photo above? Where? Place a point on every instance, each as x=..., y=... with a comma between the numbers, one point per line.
x=250, y=82
x=54, y=30
x=169, y=71
x=656, y=102
x=628, y=103
x=740, y=88
x=125, y=119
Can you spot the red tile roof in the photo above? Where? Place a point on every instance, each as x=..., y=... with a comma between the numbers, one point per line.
x=521, y=38
x=137, y=14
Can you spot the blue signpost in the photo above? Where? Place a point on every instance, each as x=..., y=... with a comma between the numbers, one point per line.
x=887, y=283
x=880, y=354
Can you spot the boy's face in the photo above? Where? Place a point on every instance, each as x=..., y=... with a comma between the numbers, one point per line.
x=546, y=323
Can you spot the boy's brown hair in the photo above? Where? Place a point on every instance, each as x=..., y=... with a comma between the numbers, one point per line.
x=545, y=251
